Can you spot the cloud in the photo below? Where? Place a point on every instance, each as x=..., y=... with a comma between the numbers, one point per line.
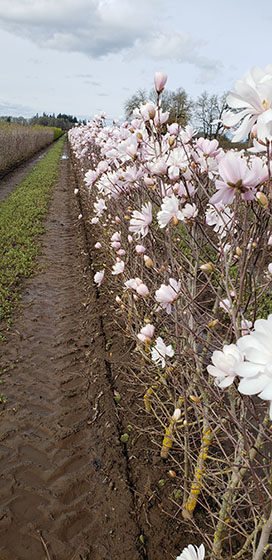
x=180, y=47
x=100, y=28
x=94, y=27
x=15, y=109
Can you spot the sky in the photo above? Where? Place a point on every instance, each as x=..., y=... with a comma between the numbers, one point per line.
x=84, y=56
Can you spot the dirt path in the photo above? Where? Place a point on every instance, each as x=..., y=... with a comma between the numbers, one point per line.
x=64, y=489
x=9, y=181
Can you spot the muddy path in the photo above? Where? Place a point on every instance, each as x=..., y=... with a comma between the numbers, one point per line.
x=64, y=487
x=10, y=179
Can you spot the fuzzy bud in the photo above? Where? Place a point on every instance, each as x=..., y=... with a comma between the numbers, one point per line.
x=262, y=199
x=175, y=221
x=207, y=267
x=148, y=181
x=238, y=252
x=171, y=140
x=148, y=262
x=213, y=323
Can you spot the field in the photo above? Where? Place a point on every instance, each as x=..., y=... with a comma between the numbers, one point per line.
x=136, y=407
x=19, y=142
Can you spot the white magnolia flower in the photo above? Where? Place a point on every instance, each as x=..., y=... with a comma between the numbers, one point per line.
x=99, y=277
x=189, y=211
x=99, y=206
x=160, y=351
x=256, y=370
x=141, y=220
x=169, y=210
x=192, y=553
x=225, y=365
x=220, y=218
x=118, y=267
x=254, y=98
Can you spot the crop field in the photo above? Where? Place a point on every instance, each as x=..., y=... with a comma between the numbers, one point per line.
x=18, y=143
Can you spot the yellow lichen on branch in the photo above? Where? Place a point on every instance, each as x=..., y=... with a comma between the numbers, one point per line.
x=197, y=483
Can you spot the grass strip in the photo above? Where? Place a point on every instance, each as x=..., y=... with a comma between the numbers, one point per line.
x=22, y=221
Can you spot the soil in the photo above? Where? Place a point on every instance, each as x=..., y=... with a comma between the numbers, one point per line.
x=69, y=488
x=9, y=180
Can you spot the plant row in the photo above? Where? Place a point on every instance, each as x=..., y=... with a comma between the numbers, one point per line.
x=18, y=142
x=183, y=249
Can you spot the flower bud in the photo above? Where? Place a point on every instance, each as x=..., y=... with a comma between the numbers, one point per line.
x=262, y=199
x=177, y=414
x=175, y=221
x=194, y=399
x=213, y=323
x=160, y=79
x=207, y=267
x=148, y=262
x=238, y=252
x=142, y=290
x=171, y=140
x=172, y=474
x=148, y=181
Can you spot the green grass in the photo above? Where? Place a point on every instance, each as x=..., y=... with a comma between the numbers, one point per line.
x=22, y=221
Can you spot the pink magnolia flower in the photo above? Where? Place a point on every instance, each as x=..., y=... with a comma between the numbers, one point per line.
x=245, y=327
x=167, y=294
x=76, y=191
x=131, y=150
x=160, y=79
x=99, y=277
x=141, y=220
x=115, y=244
x=160, y=351
x=98, y=245
x=140, y=249
x=146, y=333
x=121, y=252
x=159, y=167
x=237, y=176
x=118, y=267
x=208, y=147
x=133, y=283
x=169, y=211
x=116, y=236
x=142, y=290
x=160, y=117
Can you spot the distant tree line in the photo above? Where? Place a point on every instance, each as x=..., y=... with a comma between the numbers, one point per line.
x=204, y=114
x=63, y=121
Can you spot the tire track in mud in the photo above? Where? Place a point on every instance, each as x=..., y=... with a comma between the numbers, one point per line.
x=63, y=486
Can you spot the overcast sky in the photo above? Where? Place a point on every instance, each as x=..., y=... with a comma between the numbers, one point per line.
x=84, y=56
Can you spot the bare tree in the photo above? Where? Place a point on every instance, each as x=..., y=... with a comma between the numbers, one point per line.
x=208, y=111
x=178, y=103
